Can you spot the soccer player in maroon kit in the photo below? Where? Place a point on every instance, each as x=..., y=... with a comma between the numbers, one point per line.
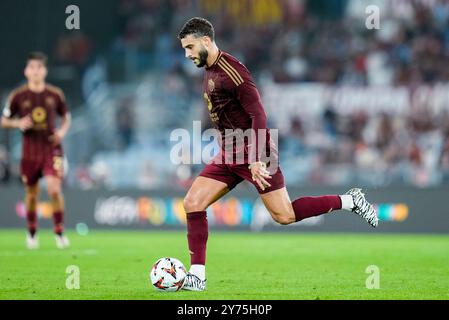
x=234, y=103
x=33, y=108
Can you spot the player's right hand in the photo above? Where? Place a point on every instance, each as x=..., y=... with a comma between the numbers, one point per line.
x=259, y=173
x=25, y=123
x=56, y=138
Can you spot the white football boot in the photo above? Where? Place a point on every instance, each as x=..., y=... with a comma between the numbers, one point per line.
x=62, y=242
x=362, y=207
x=32, y=243
x=193, y=283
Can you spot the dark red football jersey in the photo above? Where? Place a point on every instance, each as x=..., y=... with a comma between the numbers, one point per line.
x=234, y=103
x=44, y=107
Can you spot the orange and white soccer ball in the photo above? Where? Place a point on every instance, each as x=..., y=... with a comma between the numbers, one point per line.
x=168, y=274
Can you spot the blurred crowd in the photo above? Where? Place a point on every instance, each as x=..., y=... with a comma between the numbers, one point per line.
x=380, y=149
x=294, y=42
x=307, y=41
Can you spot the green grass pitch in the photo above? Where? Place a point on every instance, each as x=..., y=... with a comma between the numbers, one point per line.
x=290, y=265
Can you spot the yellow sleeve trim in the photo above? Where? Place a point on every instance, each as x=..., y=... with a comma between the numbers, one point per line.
x=57, y=91
x=231, y=72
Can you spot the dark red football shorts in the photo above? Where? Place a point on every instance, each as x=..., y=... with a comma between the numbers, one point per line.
x=233, y=174
x=34, y=169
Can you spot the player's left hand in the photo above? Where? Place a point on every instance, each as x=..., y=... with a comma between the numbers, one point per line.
x=56, y=138
x=259, y=174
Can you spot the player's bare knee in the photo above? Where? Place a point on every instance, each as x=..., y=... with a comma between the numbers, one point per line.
x=282, y=219
x=192, y=204
x=32, y=194
x=32, y=198
x=54, y=192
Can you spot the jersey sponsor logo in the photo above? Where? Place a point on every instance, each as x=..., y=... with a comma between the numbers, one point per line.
x=208, y=102
x=213, y=115
x=211, y=85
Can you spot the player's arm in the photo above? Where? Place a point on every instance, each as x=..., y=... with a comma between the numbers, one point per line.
x=61, y=132
x=9, y=119
x=23, y=124
x=249, y=97
x=65, y=125
x=59, y=135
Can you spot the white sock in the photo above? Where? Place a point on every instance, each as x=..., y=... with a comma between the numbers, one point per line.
x=199, y=270
x=346, y=202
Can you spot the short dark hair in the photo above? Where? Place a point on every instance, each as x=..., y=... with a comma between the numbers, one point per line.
x=37, y=55
x=198, y=27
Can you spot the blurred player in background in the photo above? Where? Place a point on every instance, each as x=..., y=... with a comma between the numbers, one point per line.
x=33, y=108
x=234, y=103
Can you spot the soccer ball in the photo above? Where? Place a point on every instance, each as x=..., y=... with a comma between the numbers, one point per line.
x=168, y=274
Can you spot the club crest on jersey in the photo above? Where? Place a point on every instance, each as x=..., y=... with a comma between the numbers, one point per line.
x=208, y=102
x=211, y=85
x=39, y=114
x=26, y=104
x=50, y=102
